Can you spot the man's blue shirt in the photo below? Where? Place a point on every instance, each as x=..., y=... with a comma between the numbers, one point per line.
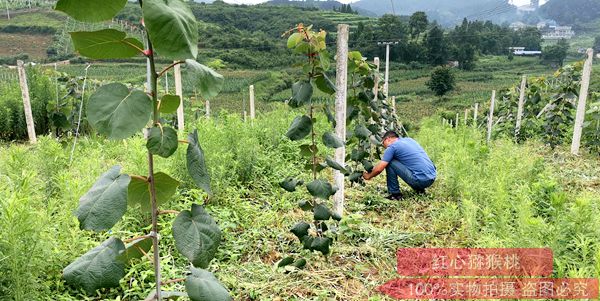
x=413, y=156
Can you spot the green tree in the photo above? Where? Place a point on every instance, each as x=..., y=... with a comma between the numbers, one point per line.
x=465, y=55
x=364, y=35
x=418, y=24
x=530, y=38
x=596, y=44
x=391, y=27
x=442, y=81
x=435, y=43
x=556, y=54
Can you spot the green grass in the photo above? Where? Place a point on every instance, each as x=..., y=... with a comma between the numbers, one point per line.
x=45, y=18
x=501, y=195
x=415, y=100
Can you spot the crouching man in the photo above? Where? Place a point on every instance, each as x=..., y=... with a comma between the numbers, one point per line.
x=404, y=158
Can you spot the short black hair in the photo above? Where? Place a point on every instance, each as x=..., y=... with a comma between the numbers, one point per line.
x=390, y=134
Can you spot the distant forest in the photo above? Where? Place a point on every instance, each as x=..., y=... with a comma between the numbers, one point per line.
x=251, y=36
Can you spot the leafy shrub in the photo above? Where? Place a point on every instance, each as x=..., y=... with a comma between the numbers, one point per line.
x=442, y=81
x=34, y=29
x=12, y=116
x=12, y=60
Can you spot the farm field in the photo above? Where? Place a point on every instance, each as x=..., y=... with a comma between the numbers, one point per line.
x=117, y=199
x=12, y=44
x=501, y=195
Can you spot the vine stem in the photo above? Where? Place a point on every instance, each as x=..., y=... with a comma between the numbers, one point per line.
x=169, y=67
x=155, y=118
x=152, y=182
x=314, y=145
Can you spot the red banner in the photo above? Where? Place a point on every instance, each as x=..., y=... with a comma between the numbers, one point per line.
x=475, y=262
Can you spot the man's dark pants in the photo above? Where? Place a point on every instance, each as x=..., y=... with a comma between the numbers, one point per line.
x=396, y=169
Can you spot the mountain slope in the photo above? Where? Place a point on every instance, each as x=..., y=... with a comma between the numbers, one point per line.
x=571, y=12
x=446, y=12
x=323, y=5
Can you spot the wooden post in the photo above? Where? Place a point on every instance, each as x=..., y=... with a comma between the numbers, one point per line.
x=583, y=93
x=179, y=92
x=340, y=113
x=167, y=82
x=475, y=114
x=387, y=69
x=26, y=102
x=252, y=110
x=376, y=88
x=491, y=116
x=456, y=120
x=466, y=116
x=207, y=109
x=7, y=10
x=521, y=106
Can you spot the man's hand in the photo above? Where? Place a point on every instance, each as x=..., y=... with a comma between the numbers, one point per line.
x=376, y=170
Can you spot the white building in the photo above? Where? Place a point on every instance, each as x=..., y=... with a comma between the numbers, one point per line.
x=517, y=25
x=559, y=32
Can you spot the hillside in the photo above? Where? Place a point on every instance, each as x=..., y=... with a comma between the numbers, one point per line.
x=29, y=32
x=572, y=12
x=329, y=5
x=244, y=36
x=447, y=13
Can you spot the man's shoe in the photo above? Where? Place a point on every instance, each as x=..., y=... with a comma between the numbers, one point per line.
x=394, y=196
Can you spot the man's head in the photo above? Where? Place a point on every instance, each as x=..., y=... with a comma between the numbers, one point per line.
x=388, y=138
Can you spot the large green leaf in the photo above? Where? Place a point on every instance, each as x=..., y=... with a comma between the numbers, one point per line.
x=169, y=104
x=105, y=203
x=208, y=82
x=289, y=184
x=106, y=44
x=300, y=229
x=358, y=155
x=335, y=165
x=330, y=116
x=285, y=261
x=332, y=140
x=162, y=141
x=139, y=190
x=90, y=10
x=98, y=268
x=172, y=28
x=202, y=285
x=302, y=92
x=321, y=213
x=356, y=177
x=308, y=150
x=321, y=244
x=300, y=128
x=300, y=263
x=136, y=249
x=118, y=113
x=362, y=132
x=195, y=163
x=294, y=39
x=324, y=84
x=321, y=189
x=197, y=236
x=305, y=205
x=368, y=165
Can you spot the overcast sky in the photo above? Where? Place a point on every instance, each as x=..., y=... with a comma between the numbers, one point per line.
x=518, y=2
